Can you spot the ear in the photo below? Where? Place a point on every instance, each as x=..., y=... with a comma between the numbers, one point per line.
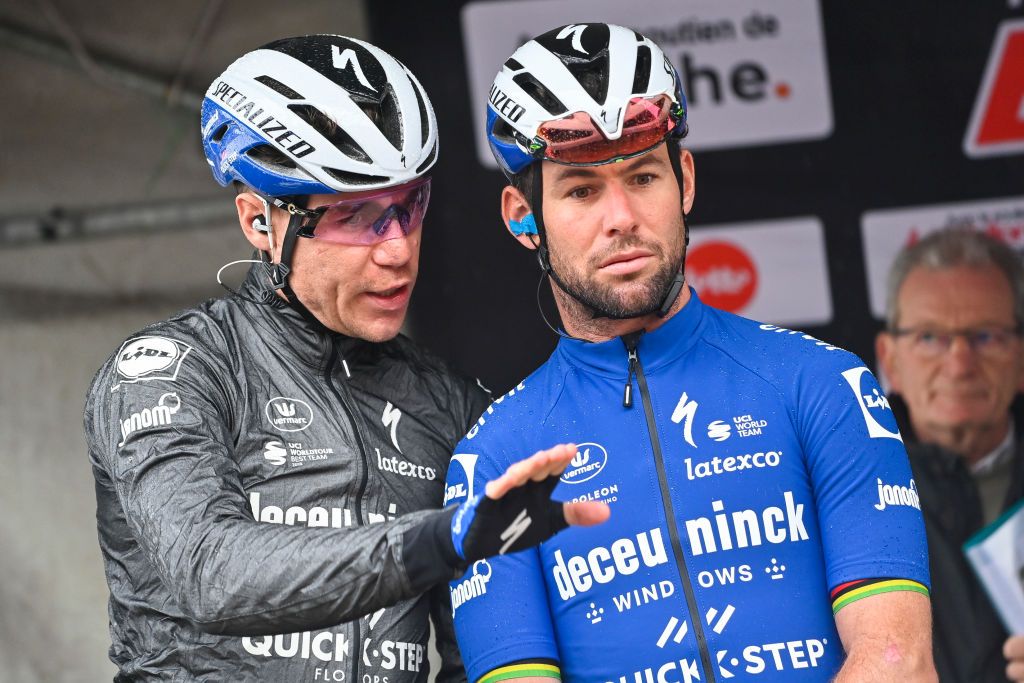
x=249, y=208
x=689, y=177
x=885, y=352
x=515, y=207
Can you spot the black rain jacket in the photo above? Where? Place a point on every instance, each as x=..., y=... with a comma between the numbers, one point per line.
x=267, y=498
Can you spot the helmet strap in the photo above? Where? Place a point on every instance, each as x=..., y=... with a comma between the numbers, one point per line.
x=280, y=271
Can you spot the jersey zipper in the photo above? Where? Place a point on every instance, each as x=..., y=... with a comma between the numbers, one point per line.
x=637, y=369
x=358, y=502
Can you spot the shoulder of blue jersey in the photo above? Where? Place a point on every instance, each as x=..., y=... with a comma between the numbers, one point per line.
x=774, y=351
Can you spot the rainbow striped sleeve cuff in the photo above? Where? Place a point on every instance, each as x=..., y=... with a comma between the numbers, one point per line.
x=522, y=670
x=853, y=591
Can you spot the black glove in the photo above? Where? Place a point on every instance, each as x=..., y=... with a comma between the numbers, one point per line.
x=522, y=518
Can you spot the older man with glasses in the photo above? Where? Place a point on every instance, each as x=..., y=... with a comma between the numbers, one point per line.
x=952, y=351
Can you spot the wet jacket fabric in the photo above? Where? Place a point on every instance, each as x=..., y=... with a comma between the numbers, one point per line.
x=266, y=498
x=968, y=635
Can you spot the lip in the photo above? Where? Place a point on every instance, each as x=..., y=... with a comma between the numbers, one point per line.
x=391, y=298
x=626, y=262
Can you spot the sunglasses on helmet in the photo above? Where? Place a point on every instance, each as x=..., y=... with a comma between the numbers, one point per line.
x=576, y=140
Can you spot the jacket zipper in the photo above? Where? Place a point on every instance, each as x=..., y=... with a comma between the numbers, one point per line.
x=636, y=369
x=357, y=645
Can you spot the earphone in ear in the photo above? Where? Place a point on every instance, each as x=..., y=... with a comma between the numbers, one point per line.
x=258, y=225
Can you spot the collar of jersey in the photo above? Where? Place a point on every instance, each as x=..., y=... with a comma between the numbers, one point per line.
x=308, y=344
x=665, y=344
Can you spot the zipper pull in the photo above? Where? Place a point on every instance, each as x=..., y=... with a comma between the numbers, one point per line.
x=627, y=395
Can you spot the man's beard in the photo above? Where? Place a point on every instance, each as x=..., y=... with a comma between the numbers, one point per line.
x=620, y=301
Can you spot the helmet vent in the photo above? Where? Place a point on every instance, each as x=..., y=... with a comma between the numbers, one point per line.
x=592, y=75
x=280, y=87
x=267, y=155
x=424, y=120
x=540, y=93
x=390, y=120
x=513, y=64
x=430, y=159
x=326, y=126
x=354, y=178
x=642, y=72
x=218, y=134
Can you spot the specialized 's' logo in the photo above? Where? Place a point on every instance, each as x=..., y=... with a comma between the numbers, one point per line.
x=390, y=419
x=684, y=412
x=472, y=587
x=873, y=404
x=719, y=431
x=576, y=31
x=157, y=416
x=148, y=358
x=588, y=462
x=343, y=59
x=289, y=414
x=456, y=489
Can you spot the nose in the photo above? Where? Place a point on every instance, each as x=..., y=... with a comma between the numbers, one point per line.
x=619, y=211
x=396, y=251
x=961, y=358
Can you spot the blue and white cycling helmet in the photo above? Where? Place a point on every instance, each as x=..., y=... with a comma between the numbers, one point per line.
x=385, y=133
x=583, y=94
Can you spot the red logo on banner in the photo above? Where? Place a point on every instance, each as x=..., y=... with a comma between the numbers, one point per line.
x=997, y=124
x=723, y=274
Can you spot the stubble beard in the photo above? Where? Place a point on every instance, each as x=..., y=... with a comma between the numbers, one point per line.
x=585, y=299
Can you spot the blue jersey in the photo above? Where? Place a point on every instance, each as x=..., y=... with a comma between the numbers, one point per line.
x=757, y=481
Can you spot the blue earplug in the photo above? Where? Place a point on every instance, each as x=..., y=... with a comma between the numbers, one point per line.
x=527, y=226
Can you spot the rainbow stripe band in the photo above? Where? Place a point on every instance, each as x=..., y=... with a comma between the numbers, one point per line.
x=522, y=671
x=854, y=591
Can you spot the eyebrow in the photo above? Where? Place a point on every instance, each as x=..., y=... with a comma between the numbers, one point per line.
x=569, y=172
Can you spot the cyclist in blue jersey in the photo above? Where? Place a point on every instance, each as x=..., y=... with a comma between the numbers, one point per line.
x=765, y=525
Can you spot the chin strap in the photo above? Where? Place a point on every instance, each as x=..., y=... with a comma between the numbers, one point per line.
x=280, y=271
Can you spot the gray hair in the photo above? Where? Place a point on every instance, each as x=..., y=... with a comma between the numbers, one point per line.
x=950, y=248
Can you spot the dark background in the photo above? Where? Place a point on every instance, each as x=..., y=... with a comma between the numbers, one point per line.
x=903, y=76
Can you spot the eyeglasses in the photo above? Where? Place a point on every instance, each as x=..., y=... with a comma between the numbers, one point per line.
x=370, y=219
x=991, y=342
x=577, y=140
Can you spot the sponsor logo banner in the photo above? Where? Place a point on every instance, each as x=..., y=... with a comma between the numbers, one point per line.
x=588, y=462
x=294, y=452
x=460, y=487
x=159, y=415
x=773, y=271
x=896, y=495
x=289, y=414
x=754, y=74
x=878, y=417
x=396, y=465
x=147, y=358
x=886, y=232
x=472, y=587
x=997, y=123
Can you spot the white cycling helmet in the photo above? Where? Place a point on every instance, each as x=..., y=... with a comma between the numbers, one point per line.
x=583, y=94
x=341, y=114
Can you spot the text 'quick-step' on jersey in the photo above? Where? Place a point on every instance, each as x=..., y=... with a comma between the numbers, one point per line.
x=757, y=472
